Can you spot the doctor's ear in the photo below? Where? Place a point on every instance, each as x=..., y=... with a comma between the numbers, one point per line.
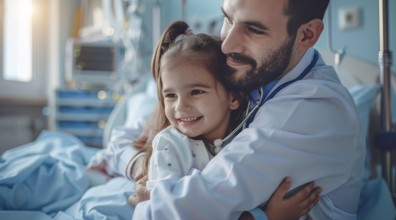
x=309, y=33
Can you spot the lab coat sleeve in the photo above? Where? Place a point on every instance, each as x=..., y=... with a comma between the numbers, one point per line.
x=171, y=158
x=306, y=132
x=119, y=150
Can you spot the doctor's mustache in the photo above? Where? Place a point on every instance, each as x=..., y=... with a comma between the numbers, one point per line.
x=237, y=57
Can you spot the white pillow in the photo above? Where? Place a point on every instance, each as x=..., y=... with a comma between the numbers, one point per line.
x=141, y=104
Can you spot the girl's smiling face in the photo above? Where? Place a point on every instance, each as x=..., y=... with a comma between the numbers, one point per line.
x=195, y=103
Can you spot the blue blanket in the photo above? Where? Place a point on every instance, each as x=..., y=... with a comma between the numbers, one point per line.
x=47, y=179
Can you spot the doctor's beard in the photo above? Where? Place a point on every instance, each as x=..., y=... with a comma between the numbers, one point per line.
x=272, y=68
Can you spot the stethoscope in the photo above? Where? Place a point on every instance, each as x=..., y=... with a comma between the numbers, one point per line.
x=218, y=143
x=263, y=96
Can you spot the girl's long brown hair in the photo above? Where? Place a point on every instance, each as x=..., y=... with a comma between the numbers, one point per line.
x=178, y=45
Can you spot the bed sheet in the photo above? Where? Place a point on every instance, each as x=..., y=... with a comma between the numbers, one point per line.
x=47, y=179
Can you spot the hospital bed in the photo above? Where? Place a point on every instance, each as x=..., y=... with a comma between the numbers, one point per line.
x=56, y=158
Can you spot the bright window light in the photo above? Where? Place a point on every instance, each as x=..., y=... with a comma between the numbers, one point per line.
x=18, y=38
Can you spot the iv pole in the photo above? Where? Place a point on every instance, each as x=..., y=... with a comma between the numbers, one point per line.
x=385, y=61
x=183, y=11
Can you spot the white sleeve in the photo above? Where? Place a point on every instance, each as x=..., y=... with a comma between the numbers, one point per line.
x=119, y=150
x=171, y=158
x=306, y=133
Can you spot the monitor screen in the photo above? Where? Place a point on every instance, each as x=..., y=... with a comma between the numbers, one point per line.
x=93, y=64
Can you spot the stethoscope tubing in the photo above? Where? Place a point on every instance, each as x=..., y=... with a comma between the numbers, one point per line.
x=260, y=101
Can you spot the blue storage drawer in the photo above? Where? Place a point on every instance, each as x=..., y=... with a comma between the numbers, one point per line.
x=83, y=113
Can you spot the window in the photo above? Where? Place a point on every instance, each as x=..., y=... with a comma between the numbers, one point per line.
x=18, y=40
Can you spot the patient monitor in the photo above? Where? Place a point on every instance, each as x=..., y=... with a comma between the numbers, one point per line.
x=93, y=64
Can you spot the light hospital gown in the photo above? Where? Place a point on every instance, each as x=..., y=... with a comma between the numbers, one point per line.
x=174, y=156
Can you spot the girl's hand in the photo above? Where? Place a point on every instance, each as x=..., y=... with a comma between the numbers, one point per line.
x=294, y=207
x=141, y=193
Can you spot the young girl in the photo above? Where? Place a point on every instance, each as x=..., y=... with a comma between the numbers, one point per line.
x=198, y=115
x=196, y=111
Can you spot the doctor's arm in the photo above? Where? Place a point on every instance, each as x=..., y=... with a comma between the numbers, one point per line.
x=278, y=207
x=284, y=142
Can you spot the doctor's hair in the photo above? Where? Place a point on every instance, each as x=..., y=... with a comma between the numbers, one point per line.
x=303, y=11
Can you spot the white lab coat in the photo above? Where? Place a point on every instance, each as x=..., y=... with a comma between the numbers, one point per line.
x=309, y=131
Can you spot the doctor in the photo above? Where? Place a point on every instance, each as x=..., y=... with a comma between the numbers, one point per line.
x=302, y=122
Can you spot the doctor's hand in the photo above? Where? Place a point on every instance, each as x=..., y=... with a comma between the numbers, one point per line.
x=141, y=193
x=295, y=206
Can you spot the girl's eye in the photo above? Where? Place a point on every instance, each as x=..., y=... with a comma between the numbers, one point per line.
x=197, y=92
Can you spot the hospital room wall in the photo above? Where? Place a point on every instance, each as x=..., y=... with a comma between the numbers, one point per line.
x=361, y=42
x=198, y=14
